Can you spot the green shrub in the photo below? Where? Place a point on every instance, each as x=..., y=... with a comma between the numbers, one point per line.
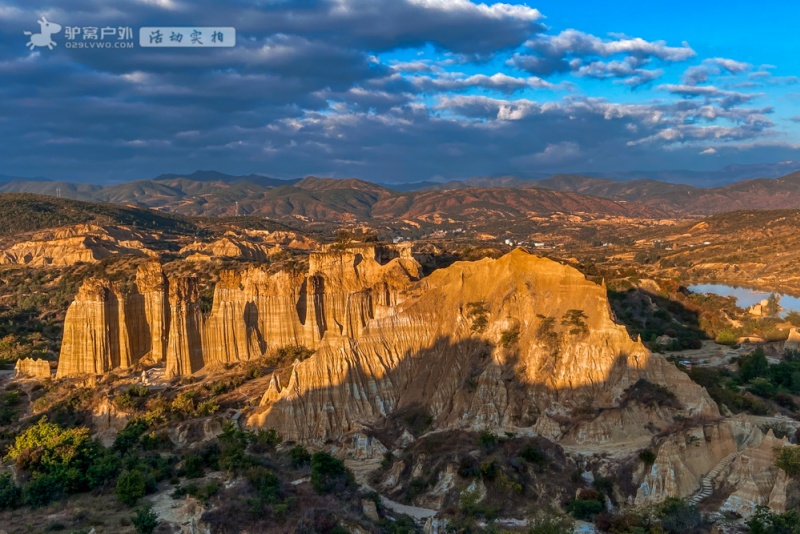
x=266, y=440
x=532, y=455
x=145, y=521
x=46, y=449
x=104, y=469
x=509, y=337
x=328, y=474
x=301, y=457
x=789, y=460
x=265, y=483
x=232, y=445
x=585, y=509
x=469, y=467
x=206, y=408
x=10, y=494
x=677, y=515
x=726, y=336
x=765, y=521
x=762, y=387
x=131, y=486
x=129, y=436
x=487, y=439
x=489, y=469
x=194, y=466
x=753, y=365
x=183, y=404
x=201, y=493
x=41, y=490
x=218, y=388
x=478, y=314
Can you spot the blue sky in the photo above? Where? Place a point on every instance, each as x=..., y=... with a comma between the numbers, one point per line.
x=402, y=90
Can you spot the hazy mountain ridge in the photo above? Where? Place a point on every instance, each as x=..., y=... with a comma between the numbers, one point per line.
x=214, y=194
x=335, y=200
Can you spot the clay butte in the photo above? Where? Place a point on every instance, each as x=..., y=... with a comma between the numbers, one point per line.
x=520, y=342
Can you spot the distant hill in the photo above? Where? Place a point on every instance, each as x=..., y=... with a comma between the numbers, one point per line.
x=24, y=212
x=214, y=176
x=500, y=203
x=724, y=176
x=48, y=187
x=687, y=200
x=7, y=178
x=213, y=194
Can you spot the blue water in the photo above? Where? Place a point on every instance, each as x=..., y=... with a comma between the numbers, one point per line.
x=746, y=297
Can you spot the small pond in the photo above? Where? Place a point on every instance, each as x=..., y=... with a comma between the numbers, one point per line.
x=746, y=297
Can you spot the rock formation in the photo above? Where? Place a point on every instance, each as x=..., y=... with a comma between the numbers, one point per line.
x=81, y=243
x=518, y=342
x=739, y=457
x=442, y=346
x=32, y=368
x=184, y=347
x=108, y=326
x=151, y=285
x=252, y=245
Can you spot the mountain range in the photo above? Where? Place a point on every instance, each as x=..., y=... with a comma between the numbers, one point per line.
x=215, y=194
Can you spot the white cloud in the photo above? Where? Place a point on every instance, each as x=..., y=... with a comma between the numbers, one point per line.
x=582, y=54
x=498, y=81
x=496, y=11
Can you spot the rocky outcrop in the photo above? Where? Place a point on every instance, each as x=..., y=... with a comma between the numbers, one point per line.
x=793, y=341
x=32, y=368
x=442, y=346
x=151, y=285
x=732, y=457
x=184, y=346
x=108, y=326
x=252, y=245
x=506, y=343
x=90, y=323
x=67, y=246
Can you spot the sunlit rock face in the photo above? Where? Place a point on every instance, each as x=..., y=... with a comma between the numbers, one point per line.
x=252, y=245
x=32, y=368
x=184, y=344
x=517, y=342
x=494, y=343
x=109, y=326
x=158, y=319
x=86, y=243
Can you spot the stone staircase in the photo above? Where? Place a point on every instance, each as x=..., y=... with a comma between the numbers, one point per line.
x=706, y=485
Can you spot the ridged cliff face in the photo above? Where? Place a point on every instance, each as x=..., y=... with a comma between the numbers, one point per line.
x=109, y=327
x=504, y=343
x=520, y=342
x=735, y=458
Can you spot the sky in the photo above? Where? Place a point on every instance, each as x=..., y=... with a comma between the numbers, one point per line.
x=397, y=90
